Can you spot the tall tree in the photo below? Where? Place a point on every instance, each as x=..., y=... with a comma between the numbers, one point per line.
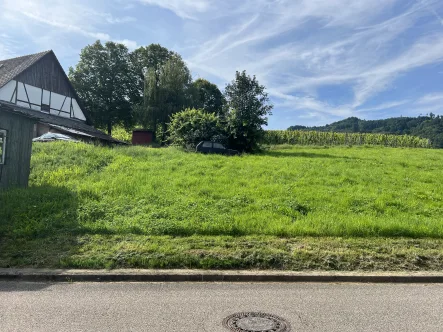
x=208, y=97
x=153, y=56
x=248, y=108
x=167, y=92
x=105, y=82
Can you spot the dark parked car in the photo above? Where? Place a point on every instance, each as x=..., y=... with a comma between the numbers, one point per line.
x=211, y=147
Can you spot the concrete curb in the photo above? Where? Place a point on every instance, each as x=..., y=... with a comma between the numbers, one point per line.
x=46, y=275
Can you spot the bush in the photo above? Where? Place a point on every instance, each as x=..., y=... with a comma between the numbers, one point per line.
x=122, y=134
x=191, y=126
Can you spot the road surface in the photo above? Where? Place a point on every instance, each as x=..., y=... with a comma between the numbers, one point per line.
x=195, y=307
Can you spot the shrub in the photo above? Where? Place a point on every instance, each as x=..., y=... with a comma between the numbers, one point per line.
x=191, y=126
x=122, y=134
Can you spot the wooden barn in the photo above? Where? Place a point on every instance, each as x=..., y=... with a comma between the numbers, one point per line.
x=36, y=97
x=37, y=85
x=16, y=130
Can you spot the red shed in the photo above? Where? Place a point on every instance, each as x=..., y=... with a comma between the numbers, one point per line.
x=142, y=137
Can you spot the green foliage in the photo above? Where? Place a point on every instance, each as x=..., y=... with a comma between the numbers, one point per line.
x=122, y=134
x=192, y=126
x=153, y=57
x=167, y=91
x=249, y=107
x=299, y=137
x=430, y=127
x=104, y=81
x=208, y=97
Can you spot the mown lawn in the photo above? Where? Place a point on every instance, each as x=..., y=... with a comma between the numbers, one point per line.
x=287, y=208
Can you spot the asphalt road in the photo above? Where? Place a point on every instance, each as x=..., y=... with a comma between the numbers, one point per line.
x=199, y=307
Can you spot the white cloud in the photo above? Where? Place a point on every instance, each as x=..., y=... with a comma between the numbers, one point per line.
x=309, y=103
x=8, y=46
x=66, y=26
x=297, y=48
x=431, y=98
x=425, y=51
x=130, y=44
x=183, y=8
x=61, y=16
x=384, y=106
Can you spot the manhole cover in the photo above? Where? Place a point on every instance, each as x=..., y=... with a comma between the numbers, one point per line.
x=256, y=322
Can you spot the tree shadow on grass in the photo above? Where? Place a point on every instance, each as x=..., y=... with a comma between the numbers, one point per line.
x=283, y=154
x=38, y=227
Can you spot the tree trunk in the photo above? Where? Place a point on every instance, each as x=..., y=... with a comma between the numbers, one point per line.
x=109, y=128
x=154, y=129
x=163, y=142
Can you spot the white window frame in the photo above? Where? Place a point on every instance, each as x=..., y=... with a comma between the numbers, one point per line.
x=2, y=157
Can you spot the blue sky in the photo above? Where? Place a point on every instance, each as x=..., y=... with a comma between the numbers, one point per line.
x=321, y=60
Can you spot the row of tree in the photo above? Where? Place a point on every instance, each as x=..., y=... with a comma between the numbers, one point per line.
x=239, y=123
x=148, y=86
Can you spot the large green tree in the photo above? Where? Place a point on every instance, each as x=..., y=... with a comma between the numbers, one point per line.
x=151, y=57
x=105, y=82
x=167, y=91
x=248, y=108
x=208, y=97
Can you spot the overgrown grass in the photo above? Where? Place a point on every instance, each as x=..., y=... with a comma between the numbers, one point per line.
x=95, y=203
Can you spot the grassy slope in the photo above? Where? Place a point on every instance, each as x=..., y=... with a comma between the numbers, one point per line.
x=97, y=207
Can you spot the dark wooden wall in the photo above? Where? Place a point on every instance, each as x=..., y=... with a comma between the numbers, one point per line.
x=49, y=75
x=15, y=171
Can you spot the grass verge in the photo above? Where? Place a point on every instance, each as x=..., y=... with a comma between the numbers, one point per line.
x=211, y=252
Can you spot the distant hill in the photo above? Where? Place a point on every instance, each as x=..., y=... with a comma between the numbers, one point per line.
x=430, y=127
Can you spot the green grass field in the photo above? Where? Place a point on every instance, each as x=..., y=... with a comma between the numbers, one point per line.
x=289, y=207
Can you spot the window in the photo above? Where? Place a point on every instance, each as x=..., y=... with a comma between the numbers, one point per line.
x=2, y=146
x=207, y=145
x=38, y=99
x=34, y=94
x=218, y=146
x=57, y=101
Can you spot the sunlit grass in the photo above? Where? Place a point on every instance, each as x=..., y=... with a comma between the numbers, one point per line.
x=84, y=190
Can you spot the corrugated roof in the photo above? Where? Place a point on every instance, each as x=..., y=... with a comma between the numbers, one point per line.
x=63, y=122
x=10, y=68
x=70, y=131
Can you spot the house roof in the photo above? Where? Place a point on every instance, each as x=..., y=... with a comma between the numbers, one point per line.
x=54, y=120
x=17, y=112
x=10, y=68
